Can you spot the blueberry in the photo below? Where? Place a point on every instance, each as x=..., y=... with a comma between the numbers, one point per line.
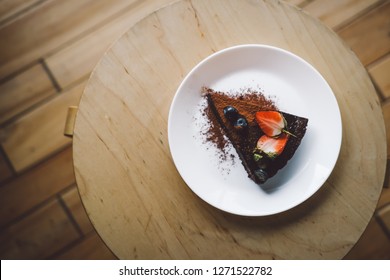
x=240, y=123
x=230, y=112
x=262, y=175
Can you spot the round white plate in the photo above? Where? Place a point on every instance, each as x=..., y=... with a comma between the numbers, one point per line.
x=297, y=88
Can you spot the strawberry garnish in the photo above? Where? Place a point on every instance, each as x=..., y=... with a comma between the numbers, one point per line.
x=271, y=146
x=272, y=123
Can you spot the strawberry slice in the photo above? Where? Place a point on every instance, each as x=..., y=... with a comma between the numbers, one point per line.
x=271, y=146
x=272, y=123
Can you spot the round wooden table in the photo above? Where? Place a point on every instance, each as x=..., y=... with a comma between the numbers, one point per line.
x=129, y=185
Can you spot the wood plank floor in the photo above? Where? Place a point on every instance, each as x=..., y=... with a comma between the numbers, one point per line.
x=48, y=49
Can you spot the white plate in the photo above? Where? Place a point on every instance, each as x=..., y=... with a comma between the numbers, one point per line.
x=297, y=88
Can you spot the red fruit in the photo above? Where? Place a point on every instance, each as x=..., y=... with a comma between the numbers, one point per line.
x=272, y=123
x=270, y=146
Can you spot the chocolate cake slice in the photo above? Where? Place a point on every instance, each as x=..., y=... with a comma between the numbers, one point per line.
x=263, y=145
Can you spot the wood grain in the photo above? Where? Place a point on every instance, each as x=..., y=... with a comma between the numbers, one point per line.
x=335, y=13
x=384, y=198
x=366, y=249
x=380, y=74
x=77, y=56
x=386, y=183
x=89, y=248
x=369, y=35
x=72, y=201
x=77, y=60
x=24, y=91
x=386, y=116
x=384, y=216
x=11, y=8
x=5, y=169
x=23, y=139
x=39, y=235
x=298, y=3
x=35, y=186
x=38, y=32
x=132, y=186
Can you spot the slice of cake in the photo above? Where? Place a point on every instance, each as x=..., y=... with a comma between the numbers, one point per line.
x=264, y=137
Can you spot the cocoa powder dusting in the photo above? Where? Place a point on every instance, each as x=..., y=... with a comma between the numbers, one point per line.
x=215, y=133
x=254, y=101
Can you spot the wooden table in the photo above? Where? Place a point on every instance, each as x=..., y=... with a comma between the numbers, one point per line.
x=129, y=185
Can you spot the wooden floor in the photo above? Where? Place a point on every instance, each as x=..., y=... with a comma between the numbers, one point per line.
x=48, y=49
